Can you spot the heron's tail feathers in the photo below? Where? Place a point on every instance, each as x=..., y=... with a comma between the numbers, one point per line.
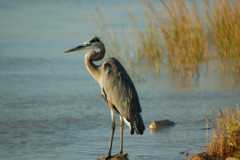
x=137, y=125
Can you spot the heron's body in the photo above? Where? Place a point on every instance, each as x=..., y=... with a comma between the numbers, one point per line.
x=117, y=89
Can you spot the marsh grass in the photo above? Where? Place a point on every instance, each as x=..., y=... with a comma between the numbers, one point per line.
x=176, y=36
x=225, y=141
x=224, y=26
x=148, y=41
x=146, y=49
x=181, y=38
x=184, y=38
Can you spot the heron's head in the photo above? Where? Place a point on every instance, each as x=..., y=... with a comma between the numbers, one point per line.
x=93, y=44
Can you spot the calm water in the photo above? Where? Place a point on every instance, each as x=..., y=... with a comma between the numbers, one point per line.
x=52, y=109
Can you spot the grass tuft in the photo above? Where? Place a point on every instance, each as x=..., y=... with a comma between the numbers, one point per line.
x=224, y=22
x=225, y=140
x=149, y=40
x=184, y=38
x=177, y=34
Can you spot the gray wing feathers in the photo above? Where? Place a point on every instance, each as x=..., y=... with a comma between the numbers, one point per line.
x=120, y=89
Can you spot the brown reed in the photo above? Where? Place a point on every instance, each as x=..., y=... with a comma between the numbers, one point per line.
x=225, y=141
x=177, y=36
x=184, y=38
x=224, y=27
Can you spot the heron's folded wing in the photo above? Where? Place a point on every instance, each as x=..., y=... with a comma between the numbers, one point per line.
x=119, y=88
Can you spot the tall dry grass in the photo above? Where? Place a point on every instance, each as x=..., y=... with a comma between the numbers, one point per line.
x=149, y=48
x=177, y=36
x=225, y=141
x=224, y=26
x=184, y=38
x=148, y=41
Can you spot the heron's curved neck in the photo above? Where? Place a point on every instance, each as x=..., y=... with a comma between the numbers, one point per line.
x=92, y=68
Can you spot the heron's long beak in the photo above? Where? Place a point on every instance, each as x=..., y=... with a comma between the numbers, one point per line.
x=80, y=47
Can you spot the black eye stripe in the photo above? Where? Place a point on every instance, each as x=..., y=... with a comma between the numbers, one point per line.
x=95, y=39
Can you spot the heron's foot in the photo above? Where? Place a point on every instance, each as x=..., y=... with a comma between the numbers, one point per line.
x=108, y=158
x=121, y=153
x=119, y=156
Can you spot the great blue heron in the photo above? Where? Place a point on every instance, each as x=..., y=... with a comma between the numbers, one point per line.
x=117, y=89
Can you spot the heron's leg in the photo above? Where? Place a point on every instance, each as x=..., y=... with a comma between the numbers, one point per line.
x=121, y=134
x=112, y=133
